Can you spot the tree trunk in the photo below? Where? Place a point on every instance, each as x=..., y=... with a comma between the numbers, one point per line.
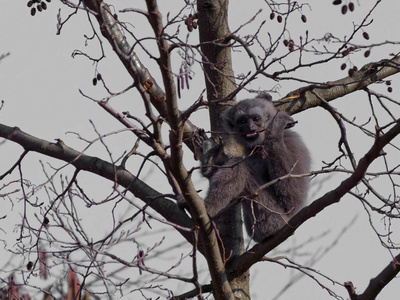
x=217, y=63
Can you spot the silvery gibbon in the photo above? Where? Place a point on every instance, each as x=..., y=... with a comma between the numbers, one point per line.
x=270, y=150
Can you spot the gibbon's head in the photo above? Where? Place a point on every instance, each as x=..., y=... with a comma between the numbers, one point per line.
x=249, y=119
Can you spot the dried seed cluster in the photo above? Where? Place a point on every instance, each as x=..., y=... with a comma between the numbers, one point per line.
x=191, y=23
x=345, y=7
x=37, y=5
x=279, y=18
x=289, y=44
x=96, y=79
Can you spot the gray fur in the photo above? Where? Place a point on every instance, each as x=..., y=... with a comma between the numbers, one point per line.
x=271, y=151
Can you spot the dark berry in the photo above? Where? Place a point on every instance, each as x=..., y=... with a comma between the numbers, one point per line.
x=366, y=35
x=344, y=9
x=337, y=2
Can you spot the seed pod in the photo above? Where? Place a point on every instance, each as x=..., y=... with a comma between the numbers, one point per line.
x=286, y=43
x=30, y=3
x=33, y=11
x=304, y=18
x=366, y=35
x=272, y=16
x=351, y=72
x=390, y=89
x=355, y=68
x=98, y=76
x=351, y=6
x=337, y=2
x=388, y=82
x=279, y=19
x=44, y=5
x=29, y=265
x=343, y=66
x=194, y=24
x=94, y=81
x=178, y=85
x=367, y=53
x=344, y=9
x=39, y=7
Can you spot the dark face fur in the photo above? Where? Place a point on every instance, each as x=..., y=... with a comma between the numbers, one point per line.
x=251, y=128
x=249, y=120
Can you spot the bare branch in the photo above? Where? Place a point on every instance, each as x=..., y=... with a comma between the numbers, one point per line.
x=305, y=97
x=59, y=150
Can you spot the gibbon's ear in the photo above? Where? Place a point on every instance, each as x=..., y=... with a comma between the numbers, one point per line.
x=228, y=118
x=265, y=96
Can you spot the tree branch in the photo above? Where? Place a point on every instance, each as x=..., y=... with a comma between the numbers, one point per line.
x=377, y=284
x=305, y=97
x=165, y=207
x=110, y=29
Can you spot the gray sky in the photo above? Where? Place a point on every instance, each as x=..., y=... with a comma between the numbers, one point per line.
x=40, y=83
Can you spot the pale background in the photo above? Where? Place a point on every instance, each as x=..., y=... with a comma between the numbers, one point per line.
x=40, y=83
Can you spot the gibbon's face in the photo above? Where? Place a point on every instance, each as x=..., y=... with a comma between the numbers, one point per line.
x=251, y=128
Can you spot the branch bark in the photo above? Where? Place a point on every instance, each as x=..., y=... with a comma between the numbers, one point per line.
x=377, y=284
x=110, y=29
x=165, y=207
x=220, y=82
x=305, y=98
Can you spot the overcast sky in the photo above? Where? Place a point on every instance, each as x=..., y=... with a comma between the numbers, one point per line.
x=40, y=83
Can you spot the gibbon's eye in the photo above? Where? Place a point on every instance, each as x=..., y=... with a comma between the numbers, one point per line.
x=256, y=119
x=241, y=121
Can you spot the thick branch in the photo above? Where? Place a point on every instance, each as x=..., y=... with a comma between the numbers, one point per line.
x=379, y=282
x=217, y=59
x=305, y=98
x=110, y=29
x=165, y=207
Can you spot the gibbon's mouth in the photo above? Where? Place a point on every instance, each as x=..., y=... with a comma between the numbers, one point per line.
x=252, y=135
